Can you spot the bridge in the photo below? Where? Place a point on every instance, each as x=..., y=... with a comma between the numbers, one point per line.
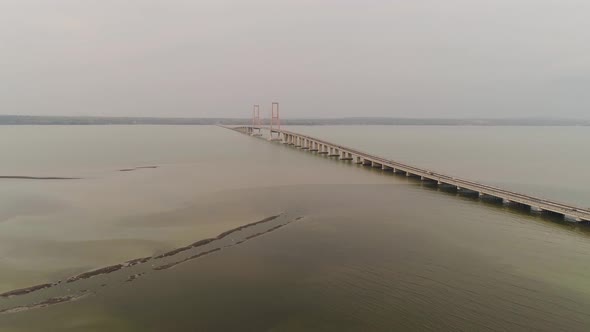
x=323, y=147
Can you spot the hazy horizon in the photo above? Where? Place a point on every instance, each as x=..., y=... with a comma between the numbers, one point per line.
x=329, y=59
x=335, y=117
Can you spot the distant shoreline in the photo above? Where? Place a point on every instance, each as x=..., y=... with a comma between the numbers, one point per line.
x=369, y=121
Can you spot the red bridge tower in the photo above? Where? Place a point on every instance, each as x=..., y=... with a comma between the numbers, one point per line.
x=275, y=122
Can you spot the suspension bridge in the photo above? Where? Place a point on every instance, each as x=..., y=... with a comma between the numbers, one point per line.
x=351, y=155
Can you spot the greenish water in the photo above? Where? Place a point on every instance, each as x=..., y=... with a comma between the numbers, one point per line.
x=373, y=251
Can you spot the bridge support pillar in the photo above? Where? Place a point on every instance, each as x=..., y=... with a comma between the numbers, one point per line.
x=305, y=144
x=367, y=162
x=571, y=218
x=314, y=147
x=334, y=152
x=346, y=156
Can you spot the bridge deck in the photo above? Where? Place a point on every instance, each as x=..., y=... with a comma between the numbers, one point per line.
x=578, y=213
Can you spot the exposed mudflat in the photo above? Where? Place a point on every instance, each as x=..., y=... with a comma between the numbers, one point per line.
x=136, y=168
x=83, y=284
x=27, y=290
x=43, y=304
x=23, y=177
x=90, y=274
x=167, y=266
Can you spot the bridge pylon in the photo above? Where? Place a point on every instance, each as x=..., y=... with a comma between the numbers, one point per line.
x=256, y=124
x=275, y=122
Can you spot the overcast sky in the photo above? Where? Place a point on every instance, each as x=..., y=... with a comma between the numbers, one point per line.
x=318, y=58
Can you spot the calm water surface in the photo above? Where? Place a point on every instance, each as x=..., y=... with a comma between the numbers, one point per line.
x=373, y=251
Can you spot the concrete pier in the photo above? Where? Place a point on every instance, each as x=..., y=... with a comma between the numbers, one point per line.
x=334, y=152
x=483, y=191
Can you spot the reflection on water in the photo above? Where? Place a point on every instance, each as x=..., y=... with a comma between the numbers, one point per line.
x=375, y=251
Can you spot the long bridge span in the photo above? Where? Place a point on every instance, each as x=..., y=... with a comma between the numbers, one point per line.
x=323, y=147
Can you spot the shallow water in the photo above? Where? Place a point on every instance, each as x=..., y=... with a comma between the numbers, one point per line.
x=374, y=251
